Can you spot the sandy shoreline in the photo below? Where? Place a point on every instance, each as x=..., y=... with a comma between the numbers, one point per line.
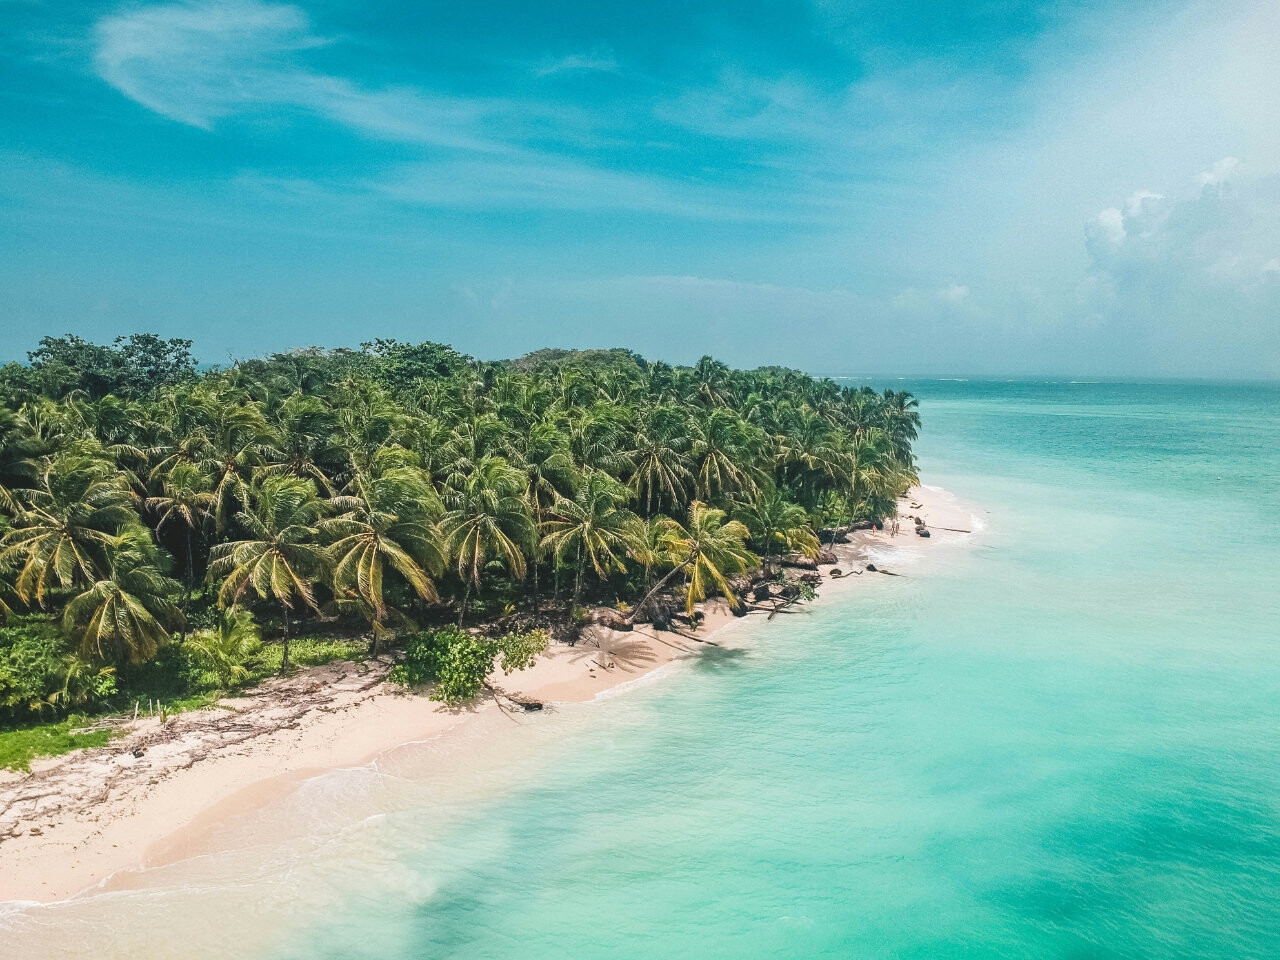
x=96, y=819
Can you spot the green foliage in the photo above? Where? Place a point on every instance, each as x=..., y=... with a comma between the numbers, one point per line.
x=458, y=662
x=370, y=488
x=306, y=652
x=226, y=649
x=131, y=367
x=404, y=364
x=38, y=675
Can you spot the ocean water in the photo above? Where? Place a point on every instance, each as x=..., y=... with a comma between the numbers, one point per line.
x=1058, y=739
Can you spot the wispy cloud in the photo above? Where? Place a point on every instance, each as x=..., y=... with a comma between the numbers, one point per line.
x=197, y=63
x=597, y=61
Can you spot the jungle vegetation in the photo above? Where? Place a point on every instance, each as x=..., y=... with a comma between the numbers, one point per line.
x=162, y=521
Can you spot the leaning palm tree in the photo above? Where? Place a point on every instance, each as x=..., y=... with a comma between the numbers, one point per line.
x=186, y=499
x=385, y=523
x=127, y=614
x=280, y=559
x=593, y=528
x=487, y=518
x=709, y=549
x=64, y=524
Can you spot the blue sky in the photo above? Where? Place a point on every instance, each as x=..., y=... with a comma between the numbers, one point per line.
x=955, y=188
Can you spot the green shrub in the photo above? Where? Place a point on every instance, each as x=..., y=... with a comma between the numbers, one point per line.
x=459, y=662
x=38, y=674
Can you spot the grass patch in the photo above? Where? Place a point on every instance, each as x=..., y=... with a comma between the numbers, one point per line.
x=173, y=685
x=305, y=652
x=20, y=746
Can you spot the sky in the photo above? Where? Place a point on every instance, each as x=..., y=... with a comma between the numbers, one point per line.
x=992, y=187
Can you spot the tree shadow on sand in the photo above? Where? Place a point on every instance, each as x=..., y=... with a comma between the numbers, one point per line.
x=721, y=659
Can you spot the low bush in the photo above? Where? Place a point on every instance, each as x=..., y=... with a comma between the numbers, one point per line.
x=458, y=662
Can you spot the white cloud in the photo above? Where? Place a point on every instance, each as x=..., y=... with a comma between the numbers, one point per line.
x=1219, y=172
x=1192, y=276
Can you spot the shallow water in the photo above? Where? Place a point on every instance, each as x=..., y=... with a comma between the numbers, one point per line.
x=1058, y=741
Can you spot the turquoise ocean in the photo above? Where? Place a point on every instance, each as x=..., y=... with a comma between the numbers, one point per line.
x=1058, y=737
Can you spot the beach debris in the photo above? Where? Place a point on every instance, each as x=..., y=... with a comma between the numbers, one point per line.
x=836, y=573
x=826, y=558
x=922, y=531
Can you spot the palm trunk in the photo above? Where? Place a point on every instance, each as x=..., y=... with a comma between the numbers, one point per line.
x=536, y=597
x=373, y=643
x=661, y=583
x=284, y=661
x=577, y=579
x=462, y=608
x=186, y=600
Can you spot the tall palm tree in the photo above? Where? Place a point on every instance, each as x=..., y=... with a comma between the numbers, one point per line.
x=722, y=457
x=303, y=442
x=385, y=523
x=593, y=528
x=543, y=455
x=487, y=517
x=127, y=614
x=709, y=550
x=186, y=499
x=660, y=474
x=280, y=559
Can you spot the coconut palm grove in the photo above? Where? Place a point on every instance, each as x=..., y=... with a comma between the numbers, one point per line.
x=168, y=533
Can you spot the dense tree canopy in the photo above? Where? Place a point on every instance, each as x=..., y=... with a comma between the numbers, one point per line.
x=394, y=485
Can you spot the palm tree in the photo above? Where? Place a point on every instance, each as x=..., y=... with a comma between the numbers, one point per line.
x=487, y=517
x=709, y=549
x=225, y=648
x=303, y=441
x=385, y=523
x=231, y=449
x=126, y=614
x=17, y=448
x=660, y=472
x=594, y=527
x=544, y=456
x=64, y=524
x=721, y=453
x=280, y=559
x=775, y=521
x=187, y=499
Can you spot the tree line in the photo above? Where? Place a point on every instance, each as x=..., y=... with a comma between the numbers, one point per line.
x=145, y=504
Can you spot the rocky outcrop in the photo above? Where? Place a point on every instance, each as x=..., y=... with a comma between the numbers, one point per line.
x=799, y=561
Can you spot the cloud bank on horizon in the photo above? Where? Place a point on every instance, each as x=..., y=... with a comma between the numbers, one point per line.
x=1078, y=187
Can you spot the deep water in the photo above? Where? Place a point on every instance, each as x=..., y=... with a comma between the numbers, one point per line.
x=1059, y=741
